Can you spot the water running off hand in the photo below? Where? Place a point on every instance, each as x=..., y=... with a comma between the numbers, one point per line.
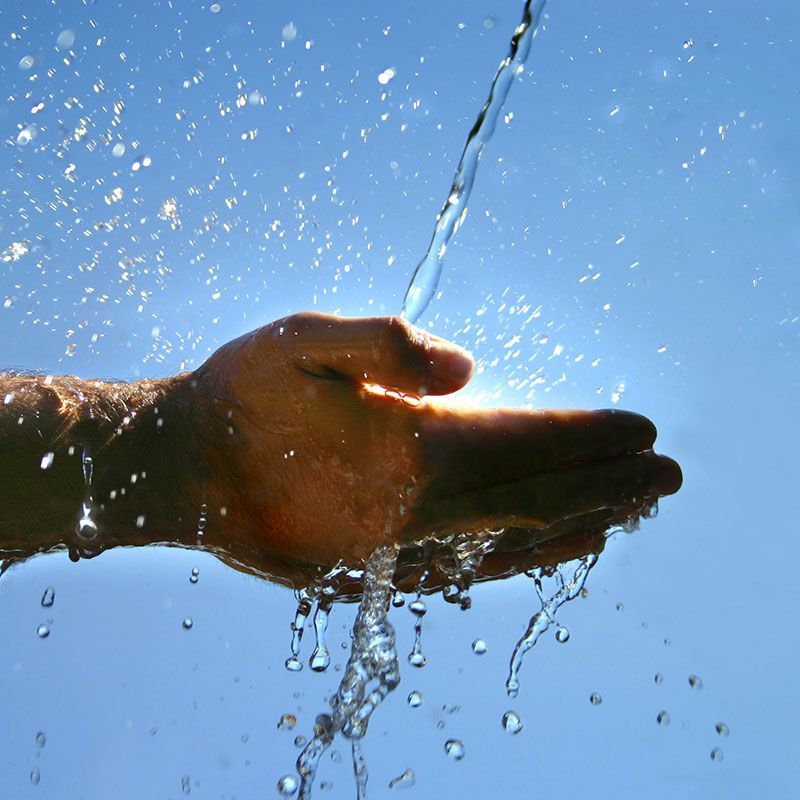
x=426, y=276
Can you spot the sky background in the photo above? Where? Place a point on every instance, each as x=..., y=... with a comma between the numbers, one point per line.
x=172, y=176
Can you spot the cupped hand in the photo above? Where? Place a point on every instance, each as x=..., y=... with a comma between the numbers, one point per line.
x=325, y=438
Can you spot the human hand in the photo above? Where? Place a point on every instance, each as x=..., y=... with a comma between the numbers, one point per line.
x=309, y=460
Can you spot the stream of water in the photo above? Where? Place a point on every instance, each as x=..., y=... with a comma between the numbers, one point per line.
x=425, y=279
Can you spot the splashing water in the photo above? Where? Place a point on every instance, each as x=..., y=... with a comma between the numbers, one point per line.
x=569, y=587
x=371, y=673
x=426, y=276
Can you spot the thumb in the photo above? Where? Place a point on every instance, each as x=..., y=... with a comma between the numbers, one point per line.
x=385, y=350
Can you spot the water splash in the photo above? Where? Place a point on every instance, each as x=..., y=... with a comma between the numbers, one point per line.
x=568, y=587
x=371, y=673
x=426, y=276
x=461, y=561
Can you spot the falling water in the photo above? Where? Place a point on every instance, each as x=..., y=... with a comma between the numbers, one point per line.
x=426, y=276
x=569, y=587
x=371, y=673
x=86, y=527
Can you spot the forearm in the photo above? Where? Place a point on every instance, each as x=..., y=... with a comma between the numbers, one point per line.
x=136, y=442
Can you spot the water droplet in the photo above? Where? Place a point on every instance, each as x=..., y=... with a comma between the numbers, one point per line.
x=663, y=718
x=26, y=62
x=696, y=682
x=488, y=23
x=398, y=600
x=336, y=757
x=418, y=660
x=42, y=631
x=667, y=641
x=512, y=722
x=717, y=754
x=454, y=749
x=595, y=699
x=26, y=135
x=659, y=678
x=36, y=776
x=118, y=150
x=289, y=32
x=722, y=729
x=620, y=606
x=293, y=664
x=186, y=787
x=215, y=8
x=326, y=786
x=479, y=647
x=386, y=76
x=562, y=635
x=287, y=722
x=41, y=739
x=49, y=596
x=404, y=781
x=415, y=699
x=65, y=39
x=418, y=608
x=300, y=741
x=287, y=786
x=195, y=576
x=187, y=623
x=451, y=708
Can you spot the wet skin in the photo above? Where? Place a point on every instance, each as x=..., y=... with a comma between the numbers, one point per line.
x=310, y=441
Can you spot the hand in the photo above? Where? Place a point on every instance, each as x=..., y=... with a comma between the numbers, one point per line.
x=330, y=444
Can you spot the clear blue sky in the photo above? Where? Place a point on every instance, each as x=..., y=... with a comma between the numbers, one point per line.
x=633, y=237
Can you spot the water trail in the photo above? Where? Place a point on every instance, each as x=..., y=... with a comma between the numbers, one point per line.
x=304, y=602
x=371, y=673
x=86, y=527
x=320, y=657
x=426, y=276
x=568, y=589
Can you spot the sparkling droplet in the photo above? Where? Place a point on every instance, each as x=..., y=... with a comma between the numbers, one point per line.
x=26, y=135
x=36, y=776
x=287, y=786
x=659, y=678
x=414, y=699
x=287, y=722
x=49, y=596
x=595, y=699
x=479, y=647
x=293, y=664
x=300, y=741
x=26, y=62
x=454, y=749
x=41, y=739
x=398, y=600
x=717, y=754
x=663, y=718
x=512, y=722
x=215, y=8
x=118, y=150
x=195, y=576
x=42, y=631
x=418, y=608
x=722, y=729
x=418, y=660
x=562, y=635
x=404, y=781
x=696, y=682
x=187, y=623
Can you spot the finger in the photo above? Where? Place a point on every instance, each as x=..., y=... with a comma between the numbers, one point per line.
x=543, y=499
x=385, y=350
x=465, y=449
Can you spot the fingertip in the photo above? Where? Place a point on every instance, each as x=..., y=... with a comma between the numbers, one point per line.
x=451, y=368
x=668, y=477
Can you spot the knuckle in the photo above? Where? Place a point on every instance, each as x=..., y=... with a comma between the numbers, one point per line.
x=406, y=342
